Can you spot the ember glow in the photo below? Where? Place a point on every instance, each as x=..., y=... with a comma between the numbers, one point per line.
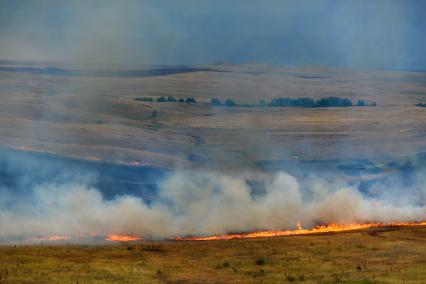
x=122, y=238
x=330, y=228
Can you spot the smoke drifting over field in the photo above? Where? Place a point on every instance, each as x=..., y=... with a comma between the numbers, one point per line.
x=199, y=203
x=40, y=198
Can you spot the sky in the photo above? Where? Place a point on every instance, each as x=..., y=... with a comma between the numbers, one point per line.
x=386, y=34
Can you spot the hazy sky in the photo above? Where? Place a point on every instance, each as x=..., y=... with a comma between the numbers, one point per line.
x=358, y=33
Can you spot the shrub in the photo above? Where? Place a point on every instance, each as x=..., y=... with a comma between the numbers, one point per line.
x=288, y=102
x=161, y=99
x=260, y=261
x=282, y=102
x=181, y=100
x=144, y=99
x=171, y=99
x=215, y=102
x=334, y=102
x=305, y=102
x=361, y=103
x=190, y=100
x=230, y=103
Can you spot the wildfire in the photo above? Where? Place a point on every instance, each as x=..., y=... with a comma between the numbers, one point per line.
x=51, y=238
x=88, y=158
x=122, y=238
x=333, y=227
x=330, y=228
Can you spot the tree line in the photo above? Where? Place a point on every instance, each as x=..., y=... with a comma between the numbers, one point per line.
x=277, y=102
x=300, y=102
x=421, y=104
x=167, y=99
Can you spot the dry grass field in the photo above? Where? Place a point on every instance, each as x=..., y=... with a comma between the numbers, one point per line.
x=372, y=256
x=98, y=116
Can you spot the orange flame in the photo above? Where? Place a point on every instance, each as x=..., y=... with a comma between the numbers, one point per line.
x=122, y=238
x=333, y=227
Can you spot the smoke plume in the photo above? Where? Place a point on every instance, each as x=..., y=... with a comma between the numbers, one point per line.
x=201, y=203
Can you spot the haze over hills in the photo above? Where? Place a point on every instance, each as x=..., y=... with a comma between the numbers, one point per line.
x=148, y=121
x=95, y=115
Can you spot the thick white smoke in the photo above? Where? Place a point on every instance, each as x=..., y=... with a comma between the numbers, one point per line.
x=197, y=204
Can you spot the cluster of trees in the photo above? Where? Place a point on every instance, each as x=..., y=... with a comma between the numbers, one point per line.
x=421, y=104
x=300, y=102
x=167, y=99
x=277, y=102
x=144, y=99
x=363, y=103
x=228, y=102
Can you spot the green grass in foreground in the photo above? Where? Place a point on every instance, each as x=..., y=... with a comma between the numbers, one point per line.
x=374, y=256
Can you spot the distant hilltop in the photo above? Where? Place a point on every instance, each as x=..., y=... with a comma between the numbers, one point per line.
x=132, y=73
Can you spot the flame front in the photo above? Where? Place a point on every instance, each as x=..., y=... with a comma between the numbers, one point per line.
x=122, y=238
x=330, y=228
x=333, y=227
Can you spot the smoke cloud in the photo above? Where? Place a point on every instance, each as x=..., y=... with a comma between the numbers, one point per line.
x=61, y=201
x=201, y=203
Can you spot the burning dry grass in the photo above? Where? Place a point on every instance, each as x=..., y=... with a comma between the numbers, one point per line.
x=122, y=238
x=379, y=255
x=330, y=228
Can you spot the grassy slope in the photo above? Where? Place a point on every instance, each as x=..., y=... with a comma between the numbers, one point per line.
x=99, y=117
x=395, y=256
